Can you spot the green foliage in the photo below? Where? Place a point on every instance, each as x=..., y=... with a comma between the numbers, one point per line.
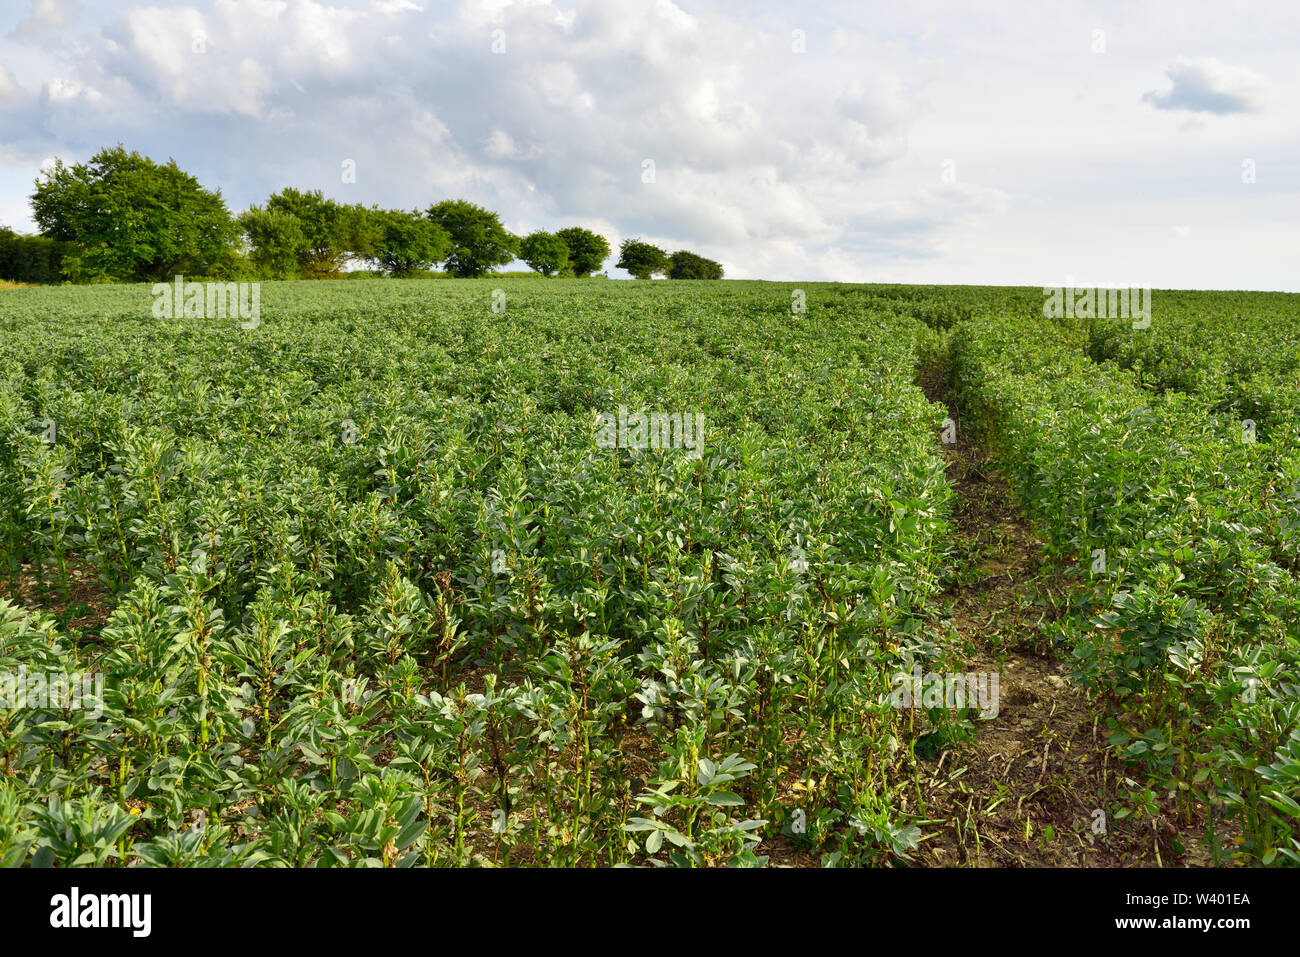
x=689, y=811
x=1239, y=351
x=370, y=593
x=407, y=243
x=1185, y=547
x=403, y=607
x=479, y=242
x=31, y=259
x=131, y=219
x=545, y=252
x=587, y=250
x=333, y=233
x=277, y=243
x=642, y=259
x=687, y=265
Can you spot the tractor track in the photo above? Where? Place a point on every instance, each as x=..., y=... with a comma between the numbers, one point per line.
x=1038, y=786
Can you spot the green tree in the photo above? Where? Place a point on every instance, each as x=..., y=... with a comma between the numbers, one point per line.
x=587, y=250
x=334, y=232
x=479, y=241
x=35, y=259
x=687, y=265
x=235, y=266
x=641, y=259
x=407, y=243
x=131, y=219
x=544, y=252
x=276, y=241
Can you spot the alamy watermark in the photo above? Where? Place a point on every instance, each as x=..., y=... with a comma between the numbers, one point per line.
x=1098, y=302
x=209, y=300
x=75, y=909
x=935, y=689
x=654, y=430
x=79, y=691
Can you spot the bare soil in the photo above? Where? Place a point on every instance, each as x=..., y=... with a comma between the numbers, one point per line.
x=81, y=610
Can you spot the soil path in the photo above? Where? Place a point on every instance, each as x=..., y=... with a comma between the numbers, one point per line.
x=1038, y=786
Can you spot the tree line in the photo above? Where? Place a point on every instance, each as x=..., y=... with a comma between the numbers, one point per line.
x=121, y=217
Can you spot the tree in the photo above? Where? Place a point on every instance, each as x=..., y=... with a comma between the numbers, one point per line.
x=333, y=233
x=641, y=259
x=407, y=243
x=687, y=265
x=587, y=250
x=479, y=241
x=131, y=219
x=34, y=259
x=276, y=241
x=544, y=252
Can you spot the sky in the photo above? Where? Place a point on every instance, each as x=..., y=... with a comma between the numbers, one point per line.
x=1039, y=143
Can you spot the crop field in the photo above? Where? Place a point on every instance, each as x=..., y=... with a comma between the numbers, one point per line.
x=525, y=572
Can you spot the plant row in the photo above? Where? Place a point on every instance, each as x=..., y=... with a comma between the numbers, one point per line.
x=1182, y=535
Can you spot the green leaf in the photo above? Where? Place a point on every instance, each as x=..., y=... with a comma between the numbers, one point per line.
x=724, y=799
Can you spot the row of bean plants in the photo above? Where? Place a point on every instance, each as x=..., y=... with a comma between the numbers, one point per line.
x=1183, y=535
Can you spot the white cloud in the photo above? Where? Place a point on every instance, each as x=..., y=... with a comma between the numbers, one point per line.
x=9, y=88
x=47, y=16
x=821, y=164
x=501, y=145
x=64, y=91
x=395, y=6
x=1204, y=85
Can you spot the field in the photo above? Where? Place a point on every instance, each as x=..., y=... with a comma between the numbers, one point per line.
x=394, y=577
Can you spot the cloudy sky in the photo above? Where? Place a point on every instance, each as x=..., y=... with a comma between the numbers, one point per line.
x=1153, y=144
